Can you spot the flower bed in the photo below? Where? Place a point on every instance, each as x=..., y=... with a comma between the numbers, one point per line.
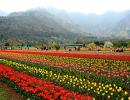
x=71, y=81
x=43, y=89
x=108, y=68
x=104, y=78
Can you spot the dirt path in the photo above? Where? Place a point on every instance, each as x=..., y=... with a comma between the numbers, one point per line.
x=7, y=93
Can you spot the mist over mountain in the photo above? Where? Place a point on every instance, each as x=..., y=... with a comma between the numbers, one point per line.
x=51, y=23
x=123, y=26
x=2, y=13
x=37, y=24
x=105, y=24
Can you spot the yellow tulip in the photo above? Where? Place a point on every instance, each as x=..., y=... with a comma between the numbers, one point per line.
x=122, y=98
x=125, y=92
x=111, y=93
x=108, y=96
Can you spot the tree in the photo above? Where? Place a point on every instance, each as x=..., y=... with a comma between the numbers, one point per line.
x=99, y=43
x=129, y=43
x=1, y=37
x=28, y=45
x=1, y=41
x=7, y=45
x=53, y=44
x=36, y=44
x=78, y=49
x=57, y=46
x=91, y=46
x=108, y=44
x=12, y=43
x=21, y=45
x=120, y=43
x=43, y=47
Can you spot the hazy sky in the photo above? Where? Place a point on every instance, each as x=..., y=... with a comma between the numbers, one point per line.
x=85, y=6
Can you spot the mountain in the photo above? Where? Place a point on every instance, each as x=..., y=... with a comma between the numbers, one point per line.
x=60, y=25
x=103, y=25
x=123, y=26
x=37, y=24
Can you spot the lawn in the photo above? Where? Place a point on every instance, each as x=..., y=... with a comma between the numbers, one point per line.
x=7, y=93
x=3, y=95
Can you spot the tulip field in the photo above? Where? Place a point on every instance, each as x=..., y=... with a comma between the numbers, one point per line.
x=66, y=75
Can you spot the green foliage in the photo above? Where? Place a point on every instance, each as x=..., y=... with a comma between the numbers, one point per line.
x=120, y=43
x=57, y=47
x=91, y=46
x=99, y=43
x=128, y=43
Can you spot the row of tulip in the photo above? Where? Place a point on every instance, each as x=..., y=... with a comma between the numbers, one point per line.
x=77, y=54
x=43, y=89
x=108, y=68
x=79, y=84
